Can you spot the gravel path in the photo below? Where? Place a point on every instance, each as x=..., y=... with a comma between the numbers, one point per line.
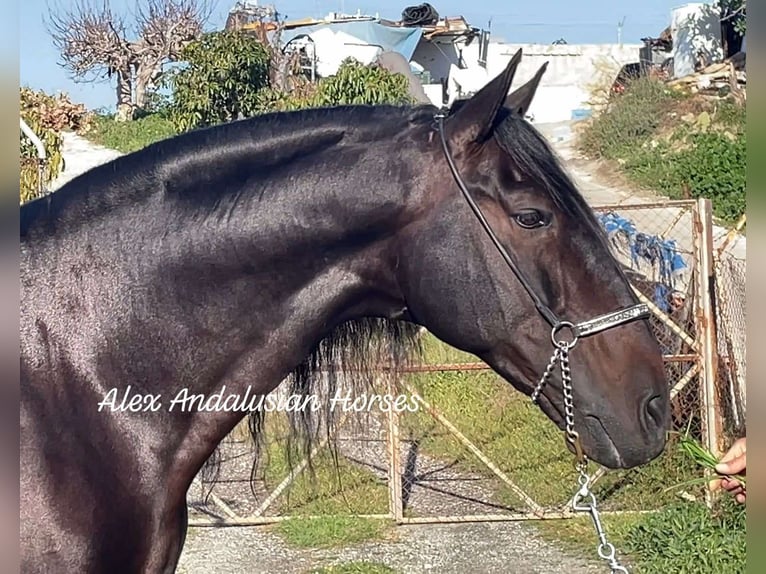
x=481, y=548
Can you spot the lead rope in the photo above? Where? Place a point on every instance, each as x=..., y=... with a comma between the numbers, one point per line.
x=584, y=500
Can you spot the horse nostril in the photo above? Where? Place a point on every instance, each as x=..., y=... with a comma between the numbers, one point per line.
x=654, y=413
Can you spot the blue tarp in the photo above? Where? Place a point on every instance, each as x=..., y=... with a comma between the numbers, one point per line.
x=662, y=254
x=402, y=40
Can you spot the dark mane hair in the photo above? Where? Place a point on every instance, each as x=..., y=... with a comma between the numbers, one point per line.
x=352, y=356
x=533, y=157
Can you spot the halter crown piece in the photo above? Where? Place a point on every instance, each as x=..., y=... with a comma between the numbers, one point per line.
x=583, y=500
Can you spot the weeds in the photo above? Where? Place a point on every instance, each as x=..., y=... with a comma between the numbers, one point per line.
x=678, y=145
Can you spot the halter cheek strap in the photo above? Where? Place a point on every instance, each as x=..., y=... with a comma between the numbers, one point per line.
x=583, y=329
x=583, y=500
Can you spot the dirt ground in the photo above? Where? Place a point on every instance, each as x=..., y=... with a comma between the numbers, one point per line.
x=483, y=548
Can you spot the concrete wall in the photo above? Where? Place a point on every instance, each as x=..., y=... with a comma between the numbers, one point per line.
x=437, y=58
x=696, y=31
x=566, y=85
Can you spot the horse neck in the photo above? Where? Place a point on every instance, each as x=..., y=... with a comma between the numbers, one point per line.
x=175, y=293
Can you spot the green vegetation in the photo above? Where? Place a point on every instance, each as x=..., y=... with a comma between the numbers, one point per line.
x=735, y=11
x=47, y=116
x=680, y=145
x=220, y=82
x=687, y=538
x=332, y=485
x=332, y=531
x=131, y=136
x=683, y=538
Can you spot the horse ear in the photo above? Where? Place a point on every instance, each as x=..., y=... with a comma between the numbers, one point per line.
x=520, y=100
x=474, y=119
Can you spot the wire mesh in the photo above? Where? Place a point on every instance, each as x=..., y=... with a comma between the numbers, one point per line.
x=731, y=334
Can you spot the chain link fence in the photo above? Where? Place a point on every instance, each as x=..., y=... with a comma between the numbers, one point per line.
x=468, y=447
x=730, y=300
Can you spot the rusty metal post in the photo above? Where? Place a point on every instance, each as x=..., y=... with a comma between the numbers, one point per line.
x=396, y=505
x=711, y=420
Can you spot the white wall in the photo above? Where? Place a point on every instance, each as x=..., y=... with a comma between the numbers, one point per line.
x=696, y=29
x=566, y=85
x=436, y=58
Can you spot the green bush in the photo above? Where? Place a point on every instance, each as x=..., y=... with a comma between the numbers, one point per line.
x=47, y=116
x=675, y=144
x=131, y=136
x=687, y=538
x=220, y=82
x=630, y=119
x=711, y=165
x=353, y=83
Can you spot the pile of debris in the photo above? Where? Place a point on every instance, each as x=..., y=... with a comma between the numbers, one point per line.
x=719, y=80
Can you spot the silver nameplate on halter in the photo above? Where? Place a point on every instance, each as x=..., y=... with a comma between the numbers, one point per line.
x=614, y=319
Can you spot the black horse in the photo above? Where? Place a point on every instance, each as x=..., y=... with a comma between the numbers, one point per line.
x=237, y=255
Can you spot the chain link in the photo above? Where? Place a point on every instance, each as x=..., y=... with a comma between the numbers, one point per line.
x=584, y=500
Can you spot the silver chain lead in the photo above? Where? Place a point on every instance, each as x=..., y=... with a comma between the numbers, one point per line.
x=584, y=500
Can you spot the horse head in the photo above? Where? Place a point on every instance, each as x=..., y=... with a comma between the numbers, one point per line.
x=457, y=283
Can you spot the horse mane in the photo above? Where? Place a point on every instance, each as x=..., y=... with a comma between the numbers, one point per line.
x=353, y=356
x=537, y=162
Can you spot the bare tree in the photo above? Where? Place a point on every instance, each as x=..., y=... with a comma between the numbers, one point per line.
x=96, y=44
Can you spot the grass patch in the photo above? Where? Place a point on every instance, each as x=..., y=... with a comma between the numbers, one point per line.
x=332, y=531
x=687, y=538
x=683, y=538
x=523, y=442
x=333, y=485
x=356, y=567
x=130, y=136
x=679, y=145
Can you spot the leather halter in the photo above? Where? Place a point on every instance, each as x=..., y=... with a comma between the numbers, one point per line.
x=578, y=330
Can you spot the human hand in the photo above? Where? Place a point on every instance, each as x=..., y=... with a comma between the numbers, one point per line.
x=733, y=462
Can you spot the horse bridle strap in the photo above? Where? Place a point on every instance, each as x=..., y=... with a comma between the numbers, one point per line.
x=578, y=330
x=583, y=500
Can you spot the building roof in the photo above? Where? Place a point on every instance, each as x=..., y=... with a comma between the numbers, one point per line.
x=454, y=27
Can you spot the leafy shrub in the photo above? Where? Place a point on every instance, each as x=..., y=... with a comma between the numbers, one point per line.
x=355, y=83
x=675, y=144
x=47, y=116
x=127, y=137
x=687, y=538
x=220, y=82
x=630, y=119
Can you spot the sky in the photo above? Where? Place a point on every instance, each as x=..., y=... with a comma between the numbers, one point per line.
x=522, y=21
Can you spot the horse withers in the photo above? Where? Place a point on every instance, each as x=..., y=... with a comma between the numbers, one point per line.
x=247, y=253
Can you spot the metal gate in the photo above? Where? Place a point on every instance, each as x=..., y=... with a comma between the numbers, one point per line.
x=476, y=450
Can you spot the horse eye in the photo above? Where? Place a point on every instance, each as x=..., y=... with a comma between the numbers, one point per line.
x=530, y=219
